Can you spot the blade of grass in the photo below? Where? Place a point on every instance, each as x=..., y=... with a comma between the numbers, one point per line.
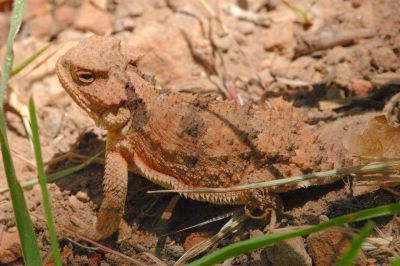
x=43, y=184
x=395, y=262
x=27, y=236
x=28, y=61
x=350, y=256
x=252, y=244
x=371, y=168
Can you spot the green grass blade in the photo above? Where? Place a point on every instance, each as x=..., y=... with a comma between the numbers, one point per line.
x=28, y=61
x=395, y=262
x=27, y=236
x=15, y=24
x=43, y=184
x=350, y=256
x=252, y=244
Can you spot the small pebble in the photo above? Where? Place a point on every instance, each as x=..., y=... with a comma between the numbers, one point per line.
x=83, y=196
x=245, y=27
x=75, y=203
x=133, y=9
x=175, y=251
x=256, y=233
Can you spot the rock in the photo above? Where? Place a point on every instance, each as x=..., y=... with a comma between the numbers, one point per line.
x=35, y=8
x=289, y=252
x=102, y=4
x=129, y=9
x=278, y=65
x=357, y=3
x=239, y=38
x=52, y=121
x=303, y=68
x=245, y=27
x=162, y=45
x=75, y=203
x=10, y=247
x=83, y=196
x=384, y=58
x=280, y=36
x=124, y=23
x=266, y=77
x=252, y=5
x=175, y=251
x=360, y=87
x=70, y=35
x=65, y=16
x=323, y=218
x=196, y=238
x=256, y=233
x=327, y=246
x=93, y=19
x=41, y=27
x=223, y=43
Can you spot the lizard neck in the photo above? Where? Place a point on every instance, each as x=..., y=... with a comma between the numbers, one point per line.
x=141, y=90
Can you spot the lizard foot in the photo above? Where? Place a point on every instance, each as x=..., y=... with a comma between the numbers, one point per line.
x=124, y=232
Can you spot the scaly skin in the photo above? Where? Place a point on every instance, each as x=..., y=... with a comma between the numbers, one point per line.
x=182, y=141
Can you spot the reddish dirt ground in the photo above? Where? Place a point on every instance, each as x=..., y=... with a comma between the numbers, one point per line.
x=250, y=50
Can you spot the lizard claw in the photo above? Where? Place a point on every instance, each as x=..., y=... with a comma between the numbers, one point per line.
x=262, y=216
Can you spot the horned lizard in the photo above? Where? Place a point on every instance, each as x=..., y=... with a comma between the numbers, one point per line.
x=181, y=140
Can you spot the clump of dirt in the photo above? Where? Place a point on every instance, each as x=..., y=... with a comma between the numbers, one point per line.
x=250, y=51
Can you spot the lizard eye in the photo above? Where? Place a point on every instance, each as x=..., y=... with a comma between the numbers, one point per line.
x=85, y=76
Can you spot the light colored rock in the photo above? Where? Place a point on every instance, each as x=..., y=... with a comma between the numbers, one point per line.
x=245, y=27
x=65, y=16
x=327, y=246
x=129, y=9
x=266, y=77
x=360, y=87
x=75, y=203
x=93, y=19
x=196, y=238
x=289, y=252
x=83, y=196
x=256, y=233
x=252, y=5
x=175, y=251
x=10, y=247
x=223, y=43
x=102, y=4
x=35, y=8
x=280, y=37
x=385, y=58
x=52, y=121
x=41, y=27
x=162, y=46
x=70, y=35
x=124, y=23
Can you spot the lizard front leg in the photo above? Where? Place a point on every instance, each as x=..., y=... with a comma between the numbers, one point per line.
x=115, y=185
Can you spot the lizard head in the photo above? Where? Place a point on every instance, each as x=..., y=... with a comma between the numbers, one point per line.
x=93, y=74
